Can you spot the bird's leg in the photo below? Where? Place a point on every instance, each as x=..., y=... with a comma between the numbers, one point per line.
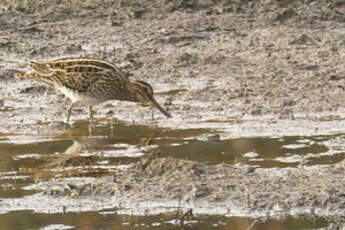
x=91, y=113
x=152, y=114
x=69, y=110
x=90, y=129
x=140, y=112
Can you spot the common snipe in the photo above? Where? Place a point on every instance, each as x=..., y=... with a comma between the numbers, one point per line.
x=90, y=82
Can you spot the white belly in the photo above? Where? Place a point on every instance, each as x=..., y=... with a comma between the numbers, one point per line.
x=80, y=97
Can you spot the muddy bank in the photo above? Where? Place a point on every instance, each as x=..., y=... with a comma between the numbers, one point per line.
x=210, y=64
x=246, y=69
x=155, y=185
x=226, y=59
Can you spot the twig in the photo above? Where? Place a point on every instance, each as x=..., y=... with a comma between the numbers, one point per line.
x=188, y=213
x=252, y=225
x=178, y=208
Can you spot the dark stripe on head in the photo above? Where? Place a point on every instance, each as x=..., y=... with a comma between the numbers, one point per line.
x=144, y=84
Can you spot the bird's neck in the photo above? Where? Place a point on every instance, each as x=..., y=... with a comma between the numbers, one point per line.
x=130, y=94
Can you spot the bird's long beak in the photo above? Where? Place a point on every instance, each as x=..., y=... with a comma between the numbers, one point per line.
x=155, y=104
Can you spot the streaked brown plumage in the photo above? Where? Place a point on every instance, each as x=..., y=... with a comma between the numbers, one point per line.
x=90, y=82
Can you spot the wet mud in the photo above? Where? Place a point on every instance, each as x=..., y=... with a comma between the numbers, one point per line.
x=255, y=90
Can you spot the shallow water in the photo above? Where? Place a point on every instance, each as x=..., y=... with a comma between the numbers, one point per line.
x=85, y=151
x=110, y=220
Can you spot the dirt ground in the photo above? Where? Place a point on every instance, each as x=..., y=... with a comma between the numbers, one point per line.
x=250, y=68
x=217, y=189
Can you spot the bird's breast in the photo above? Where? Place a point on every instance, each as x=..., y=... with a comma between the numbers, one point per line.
x=80, y=97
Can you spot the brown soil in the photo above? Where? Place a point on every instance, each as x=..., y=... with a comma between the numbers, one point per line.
x=231, y=57
x=208, y=62
x=221, y=188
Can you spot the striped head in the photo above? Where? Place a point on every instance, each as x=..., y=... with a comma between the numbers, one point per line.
x=144, y=93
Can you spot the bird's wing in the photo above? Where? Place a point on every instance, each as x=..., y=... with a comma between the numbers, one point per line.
x=78, y=65
x=85, y=65
x=96, y=71
x=76, y=81
x=103, y=84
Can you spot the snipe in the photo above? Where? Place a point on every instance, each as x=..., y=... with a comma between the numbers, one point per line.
x=90, y=82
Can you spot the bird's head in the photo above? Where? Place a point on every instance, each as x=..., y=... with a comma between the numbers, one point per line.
x=144, y=93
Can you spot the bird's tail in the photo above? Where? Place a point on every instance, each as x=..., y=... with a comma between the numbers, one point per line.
x=39, y=71
x=32, y=74
x=20, y=74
